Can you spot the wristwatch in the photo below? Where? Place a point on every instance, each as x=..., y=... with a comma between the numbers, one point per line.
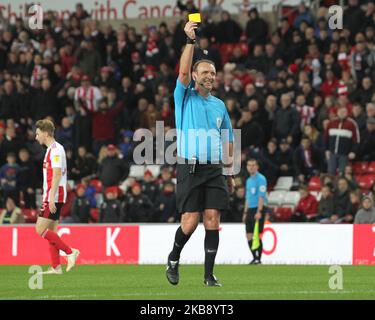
x=190, y=41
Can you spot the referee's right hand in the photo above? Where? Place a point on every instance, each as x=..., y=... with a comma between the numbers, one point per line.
x=189, y=29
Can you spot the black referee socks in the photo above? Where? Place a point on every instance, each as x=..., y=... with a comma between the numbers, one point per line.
x=211, y=244
x=179, y=243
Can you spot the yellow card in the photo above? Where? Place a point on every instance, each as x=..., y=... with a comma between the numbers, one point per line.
x=195, y=17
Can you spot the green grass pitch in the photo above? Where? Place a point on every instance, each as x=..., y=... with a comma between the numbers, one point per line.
x=149, y=282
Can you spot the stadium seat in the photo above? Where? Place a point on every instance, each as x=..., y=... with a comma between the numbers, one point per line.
x=275, y=198
x=291, y=198
x=371, y=167
x=97, y=184
x=154, y=168
x=314, y=184
x=359, y=167
x=94, y=213
x=284, y=183
x=136, y=171
x=366, y=181
x=282, y=214
x=31, y=215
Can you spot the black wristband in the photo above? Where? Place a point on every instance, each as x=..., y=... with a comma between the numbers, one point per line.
x=190, y=41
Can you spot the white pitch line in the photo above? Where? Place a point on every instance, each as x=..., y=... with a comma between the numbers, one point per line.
x=218, y=293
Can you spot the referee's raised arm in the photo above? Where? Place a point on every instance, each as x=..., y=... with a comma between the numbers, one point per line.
x=187, y=55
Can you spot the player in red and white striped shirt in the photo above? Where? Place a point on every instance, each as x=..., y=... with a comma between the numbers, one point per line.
x=54, y=196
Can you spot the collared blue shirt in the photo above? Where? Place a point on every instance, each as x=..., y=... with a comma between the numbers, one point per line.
x=199, y=123
x=256, y=186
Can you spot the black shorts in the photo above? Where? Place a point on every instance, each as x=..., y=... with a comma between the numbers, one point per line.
x=206, y=188
x=45, y=213
x=250, y=220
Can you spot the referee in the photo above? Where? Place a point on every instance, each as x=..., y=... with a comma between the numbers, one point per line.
x=201, y=185
x=255, y=206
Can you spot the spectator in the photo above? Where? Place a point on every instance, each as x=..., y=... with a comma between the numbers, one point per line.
x=88, y=58
x=285, y=159
x=84, y=165
x=355, y=204
x=251, y=131
x=307, y=207
x=138, y=206
x=256, y=29
x=237, y=206
x=64, y=134
x=342, y=140
x=360, y=118
x=304, y=14
x=326, y=204
x=286, y=122
x=367, y=147
x=306, y=160
x=341, y=202
x=149, y=187
x=80, y=212
x=366, y=215
x=112, y=170
x=164, y=177
x=27, y=180
x=9, y=105
x=228, y=30
x=364, y=93
x=87, y=95
x=166, y=205
x=8, y=178
x=111, y=210
x=189, y=6
x=269, y=162
x=354, y=17
x=44, y=102
x=127, y=145
x=80, y=13
x=349, y=176
x=10, y=144
x=212, y=8
x=103, y=131
x=11, y=214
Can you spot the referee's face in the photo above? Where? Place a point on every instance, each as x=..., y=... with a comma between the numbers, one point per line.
x=205, y=75
x=252, y=167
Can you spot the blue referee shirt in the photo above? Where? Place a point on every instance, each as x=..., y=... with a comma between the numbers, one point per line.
x=199, y=122
x=256, y=186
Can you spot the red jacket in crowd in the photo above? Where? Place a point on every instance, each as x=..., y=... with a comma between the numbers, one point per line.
x=308, y=205
x=102, y=122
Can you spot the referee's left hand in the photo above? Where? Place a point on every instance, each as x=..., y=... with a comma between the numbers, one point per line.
x=231, y=184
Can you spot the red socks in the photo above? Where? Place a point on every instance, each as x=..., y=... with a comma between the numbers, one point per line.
x=55, y=241
x=55, y=255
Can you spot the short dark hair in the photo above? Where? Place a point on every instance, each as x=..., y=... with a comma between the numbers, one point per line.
x=197, y=63
x=253, y=160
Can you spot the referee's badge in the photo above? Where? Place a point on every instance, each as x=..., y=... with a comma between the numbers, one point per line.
x=218, y=122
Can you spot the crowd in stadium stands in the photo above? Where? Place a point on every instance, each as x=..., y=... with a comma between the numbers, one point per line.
x=302, y=95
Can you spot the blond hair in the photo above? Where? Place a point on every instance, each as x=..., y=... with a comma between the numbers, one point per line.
x=46, y=125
